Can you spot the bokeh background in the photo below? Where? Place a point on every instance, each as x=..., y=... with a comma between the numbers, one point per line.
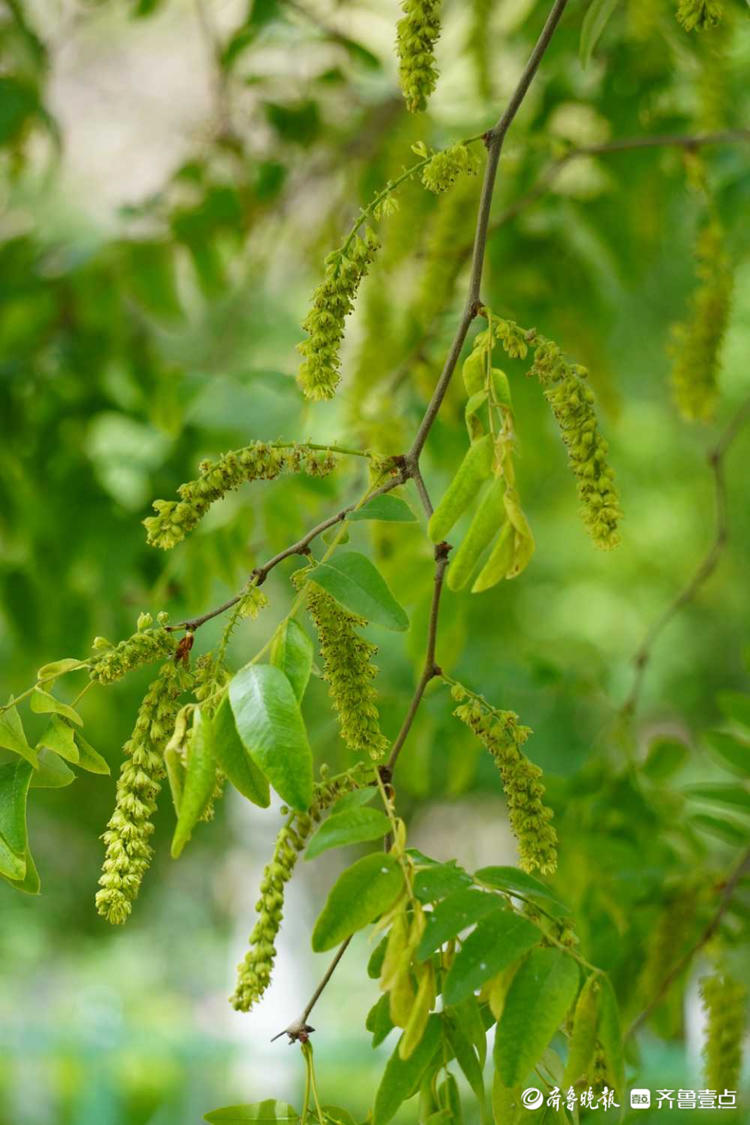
x=173, y=174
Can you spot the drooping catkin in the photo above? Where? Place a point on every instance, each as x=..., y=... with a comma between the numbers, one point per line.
x=258, y=461
x=725, y=1004
x=417, y=33
x=447, y=166
x=503, y=735
x=111, y=662
x=128, y=851
x=699, y=15
x=348, y=670
x=696, y=341
x=333, y=300
x=254, y=972
x=572, y=403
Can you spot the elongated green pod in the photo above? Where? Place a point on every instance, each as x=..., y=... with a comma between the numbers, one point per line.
x=420, y=1012
x=582, y=1043
x=474, y=372
x=473, y=470
x=499, y=562
x=200, y=781
x=488, y=517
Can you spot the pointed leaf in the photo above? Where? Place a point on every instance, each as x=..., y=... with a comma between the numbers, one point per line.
x=453, y=914
x=269, y=723
x=733, y=795
x=352, y=826
x=355, y=800
x=464, y=1051
x=379, y=1020
x=60, y=737
x=30, y=884
x=200, y=781
x=387, y=507
x=267, y=1111
x=665, y=756
x=354, y=582
x=88, y=758
x=48, y=672
x=609, y=1033
x=516, y=882
x=12, y=735
x=538, y=999
x=401, y=1077
x=51, y=772
x=499, y=940
x=292, y=652
x=14, y=788
x=235, y=760
x=439, y=880
x=359, y=895
x=43, y=703
x=596, y=19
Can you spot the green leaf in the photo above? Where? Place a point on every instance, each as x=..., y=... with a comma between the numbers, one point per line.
x=352, y=826
x=30, y=884
x=538, y=999
x=14, y=787
x=353, y=581
x=583, y=1036
x=292, y=652
x=200, y=781
x=721, y=828
x=42, y=703
x=376, y=959
x=733, y=795
x=736, y=706
x=88, y=758
x=355, y=800
x=12, y=736
x=401, y=1077
x=609, y=1034
x=359, y=895
x=387, y=507
x=234, y=759
x=58, y=668
x=516, y=882
x=338, y=1116
x=453, y=914
x=463, y=1049
x=732, y=752
x=51, y=772
x=499, y=940
x=270, y=725
x=268, y=1111
x=439, y=880
x=379, y=1020
x=665, y=756
x=596, y=19
x=60, y=737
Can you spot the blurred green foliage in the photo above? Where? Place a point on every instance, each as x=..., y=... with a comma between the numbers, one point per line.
x=134, y=346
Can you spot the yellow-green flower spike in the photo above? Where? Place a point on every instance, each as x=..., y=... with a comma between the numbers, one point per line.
x=417, y=33
x=348, y=670
x=128, y=851
x=447, y=166
x=725, y=1004
x=111, y=662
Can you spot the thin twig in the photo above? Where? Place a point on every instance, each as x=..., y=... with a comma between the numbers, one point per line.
x=730, y=886
x=705, y=567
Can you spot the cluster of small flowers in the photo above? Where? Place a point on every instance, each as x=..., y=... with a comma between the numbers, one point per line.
x=699, y=14
x=725, y=1003
x=111, y=662
x=259, y=461
x=572, y=403
x=503, y=736
x=696, y=343
x=348, y=670
x=254, y=972
x=333, y=300
x=416, y=35
x=446, y=166
x=128, y=851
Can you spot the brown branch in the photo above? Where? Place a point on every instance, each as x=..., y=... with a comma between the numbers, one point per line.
x=730, y=886
x=705, y=567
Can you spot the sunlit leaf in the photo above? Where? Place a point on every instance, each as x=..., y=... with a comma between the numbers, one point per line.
x=359, y=895
x=355, y=583
x=352, y=826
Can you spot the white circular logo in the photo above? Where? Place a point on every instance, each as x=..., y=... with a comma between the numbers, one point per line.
x=532, y=1098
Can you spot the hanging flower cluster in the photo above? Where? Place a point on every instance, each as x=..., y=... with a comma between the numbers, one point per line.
x=724, y=1001
x=446, y=166
x=348, y=670
x=698, y=15
x=254, y=972
x=128, y=851
x=333, y=300
x=502, y=734
x=696, y=342
x=417, y=33
x=259, y=461
x=111, y=662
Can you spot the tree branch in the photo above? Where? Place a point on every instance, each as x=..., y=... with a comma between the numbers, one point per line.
x=706, y=566
x=730, y=886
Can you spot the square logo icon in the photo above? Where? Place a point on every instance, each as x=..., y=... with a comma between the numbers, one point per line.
x=640, y=1099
